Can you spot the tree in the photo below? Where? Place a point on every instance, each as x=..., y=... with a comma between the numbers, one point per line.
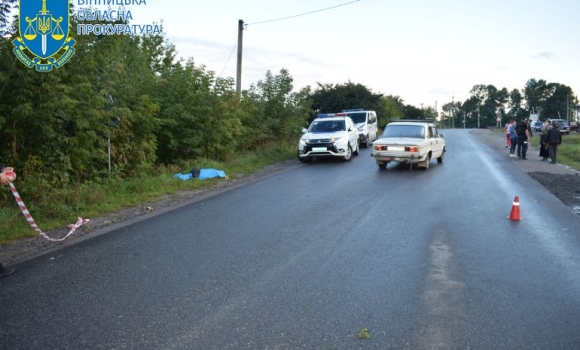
x=281, y=112
x=557, y=101
x=535, y=92
x=516, y=104
x=491, y=100
x=392, y=108
x=328, y=98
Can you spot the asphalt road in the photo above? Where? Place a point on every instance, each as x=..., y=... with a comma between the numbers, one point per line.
x=307, y=258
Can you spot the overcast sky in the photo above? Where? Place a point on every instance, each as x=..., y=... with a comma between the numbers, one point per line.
x=425, y=51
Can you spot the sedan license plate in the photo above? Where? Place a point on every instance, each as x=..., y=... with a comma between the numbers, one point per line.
x=396, y=148
x=319, y=149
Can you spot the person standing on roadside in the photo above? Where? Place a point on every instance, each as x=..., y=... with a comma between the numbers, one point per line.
x=513, y=138
x=507, y=134
x=523, y=133
x=546, y=126
x=554, y=139
x=7, y=175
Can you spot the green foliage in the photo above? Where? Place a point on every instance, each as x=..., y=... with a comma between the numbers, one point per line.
x=393, y=108
x=330, y=98
x=280, y=112
x=364, y=333
x=486, y=101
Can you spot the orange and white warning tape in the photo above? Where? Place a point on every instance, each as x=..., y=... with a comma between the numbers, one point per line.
x=24, y=210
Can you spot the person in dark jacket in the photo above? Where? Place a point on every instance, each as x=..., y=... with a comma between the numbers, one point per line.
x=524, y=132
x=546, y=126
x=554, y=139
x=7, y=175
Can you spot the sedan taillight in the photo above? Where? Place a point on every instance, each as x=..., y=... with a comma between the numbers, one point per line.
x=380, y=148
x=411, y=149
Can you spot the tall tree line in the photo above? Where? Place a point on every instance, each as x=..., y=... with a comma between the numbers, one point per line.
x=131, y=90
x=486, y=102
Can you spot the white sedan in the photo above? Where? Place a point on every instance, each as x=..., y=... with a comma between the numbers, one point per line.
x=409, y=141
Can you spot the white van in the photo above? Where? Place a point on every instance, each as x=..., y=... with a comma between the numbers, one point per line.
x=366, y=124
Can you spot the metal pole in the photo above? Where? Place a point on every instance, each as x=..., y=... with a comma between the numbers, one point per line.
x=109, y=150
x=478, y=116
x=239, y=67
x=568, y=109
x=453, y=112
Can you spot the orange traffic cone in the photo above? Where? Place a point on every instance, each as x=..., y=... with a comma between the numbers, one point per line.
x=515, y=214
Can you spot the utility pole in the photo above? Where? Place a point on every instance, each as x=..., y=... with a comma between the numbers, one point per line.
x=576, y=109
x=239, y=67
x=453, y=112
x=478, y=116
x=568, y=109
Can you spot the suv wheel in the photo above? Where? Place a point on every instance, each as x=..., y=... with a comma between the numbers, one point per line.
x=348, y=155
x=305, y=159
x=356, y=151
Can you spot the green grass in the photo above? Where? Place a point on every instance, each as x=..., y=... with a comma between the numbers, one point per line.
x=55, y=208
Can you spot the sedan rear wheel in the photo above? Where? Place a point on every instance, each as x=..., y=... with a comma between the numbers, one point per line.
x=427, y=161
x=440, y=159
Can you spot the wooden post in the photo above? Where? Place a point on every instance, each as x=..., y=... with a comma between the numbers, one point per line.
x=239, y=66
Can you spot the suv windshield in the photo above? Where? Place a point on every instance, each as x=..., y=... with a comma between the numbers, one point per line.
x=358, y=117
x=404, y=131
x=327, y=126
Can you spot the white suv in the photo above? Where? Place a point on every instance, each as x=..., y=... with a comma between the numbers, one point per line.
x=329, y=136
x=366, y=123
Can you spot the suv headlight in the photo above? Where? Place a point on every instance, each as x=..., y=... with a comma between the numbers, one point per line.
x=336, y=139
x=303, y=142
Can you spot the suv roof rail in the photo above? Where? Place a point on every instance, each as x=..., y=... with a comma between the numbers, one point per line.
x=353, y=110
x=426, y=120
x=331, y=115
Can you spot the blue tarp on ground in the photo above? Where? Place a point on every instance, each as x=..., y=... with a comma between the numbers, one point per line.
x=203, y=174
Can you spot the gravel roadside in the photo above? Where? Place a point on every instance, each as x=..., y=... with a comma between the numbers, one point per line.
x=561, y=180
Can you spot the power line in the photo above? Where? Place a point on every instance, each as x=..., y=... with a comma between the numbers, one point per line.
x=304, y=14
x=228, y=61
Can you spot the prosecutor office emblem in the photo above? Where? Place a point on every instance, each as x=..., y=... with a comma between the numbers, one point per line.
x=43, y=30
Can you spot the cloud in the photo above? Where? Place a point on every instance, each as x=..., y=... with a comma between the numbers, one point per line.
x=550, y=56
